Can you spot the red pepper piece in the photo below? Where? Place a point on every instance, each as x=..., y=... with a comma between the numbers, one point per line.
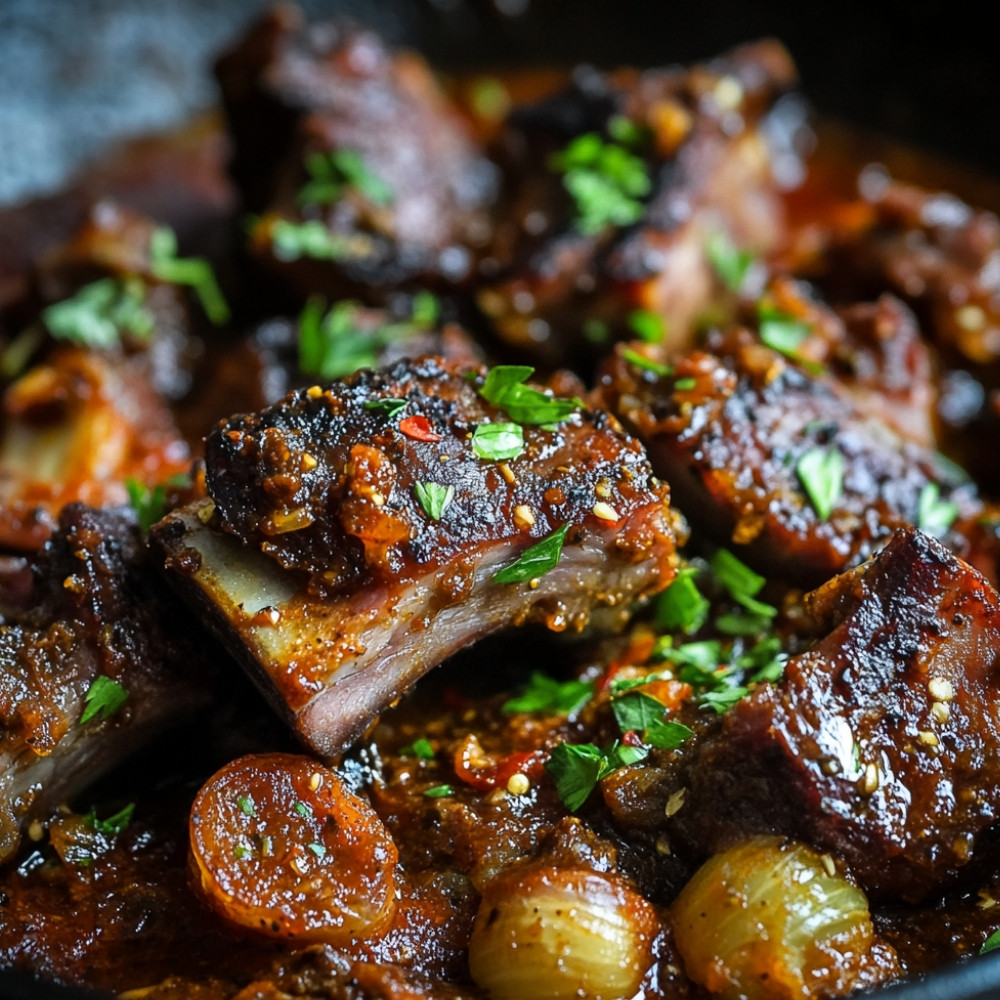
x=419, y=428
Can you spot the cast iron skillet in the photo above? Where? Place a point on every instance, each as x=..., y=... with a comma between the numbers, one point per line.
x=75, y=74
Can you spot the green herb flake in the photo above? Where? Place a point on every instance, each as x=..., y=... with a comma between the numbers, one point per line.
x=637, y=711
x=646, y=364
x=498, y=442
x=98, y=313
x=666, y=735
x=504, y=387
x=576, y=768
x=420, y=748
x=536, y=561
x=821, y=472
x=722, y=698
x=103, y=698
x=149, y=504
x=439, y=792
x=241, y=852
x=681, y=606
x=246, y=805
x=434, y=498
x=425, y=310
x=113, y=825
x=742, y=583
x=647, y=325
x=605, y=181
x=293, y=240
x=388, y=408
x=545, y=695
x=731, y=264
x=318, y=849
x=333, y=174
x=596, y=331
x=934, y=515
x=195, y=272
x=629, y=133
x=303, y=809
x=489, y=98
x=685, y=384
x=991, y=943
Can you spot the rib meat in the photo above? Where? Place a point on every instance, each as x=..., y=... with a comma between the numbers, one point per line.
x=881, y=742
x=93, y=609
x=322, y=567
x=728, y=432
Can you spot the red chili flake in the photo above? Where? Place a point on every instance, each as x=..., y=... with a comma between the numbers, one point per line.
x=493, y=771
x=632, y=739
x=419, y=428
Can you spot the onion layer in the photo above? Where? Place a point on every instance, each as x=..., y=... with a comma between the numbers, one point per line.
x=772, y=920
x=550, y=934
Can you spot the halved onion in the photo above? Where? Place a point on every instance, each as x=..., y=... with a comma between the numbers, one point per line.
x=281, y=846
x=772, y=920
x=556, y=934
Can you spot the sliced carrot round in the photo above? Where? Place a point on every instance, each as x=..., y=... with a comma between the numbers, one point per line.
x=280, y=845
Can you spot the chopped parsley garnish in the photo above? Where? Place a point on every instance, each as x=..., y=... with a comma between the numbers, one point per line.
x=596, y=331
x=821, y=472
x=545, y=695
x=439, y=791
x=729, y=262
x=489, y=98
x=246, y=805
x=934, y=515
x=386, y=407
x=642, y=713
x=742, y=583
x=991, y=943
x=103, y=698
x=318, y=849
x=577, y=768
x=605, y=181
x=99, y=312
x=195, y=272
x=646, y=364
x=498, y=442
x=337, y=344
x=113, y=825
x=292, y=240
x=303, y=809
x=504, y=387
x=702, y=666
x=425, y=310
x=420, y=748
x=334, y=173
x=685, y=384
x=149, y=504
x=629, y=133
x=648, y=326
x=536, y=561
x=682, y=607
x=434, y=498
x=786, y=334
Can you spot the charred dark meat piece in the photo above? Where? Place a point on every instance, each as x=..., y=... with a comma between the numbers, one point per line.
x=95, y=623
x=880, y=743
x=615, y=192
x=778, y=462
x=350, y=550
x=368, y=174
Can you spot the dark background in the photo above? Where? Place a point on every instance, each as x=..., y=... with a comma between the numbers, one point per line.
x=74, y=73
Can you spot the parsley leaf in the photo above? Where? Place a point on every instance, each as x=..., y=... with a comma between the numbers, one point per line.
x=504, y=387
x=644, y=714
x=991, y=943
x=498, y=442
x=646, y=364
x=332, y=174
x=729, y=262
x=246, y=805
x=389, y=407
x=741, y=582
x=98, y=313
x=420, y=748
x=681, y=606
x=434, y=498
x=605, y=181
x=292, y=240
x=149, y=504
x=545, y=695
x=934, y=515
x=439, y=791
x=103, y=698
x=195, y=272
x=821, y=472
x=113, y=825
x=576, y=768
x=536, y=561
x=649, y=326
